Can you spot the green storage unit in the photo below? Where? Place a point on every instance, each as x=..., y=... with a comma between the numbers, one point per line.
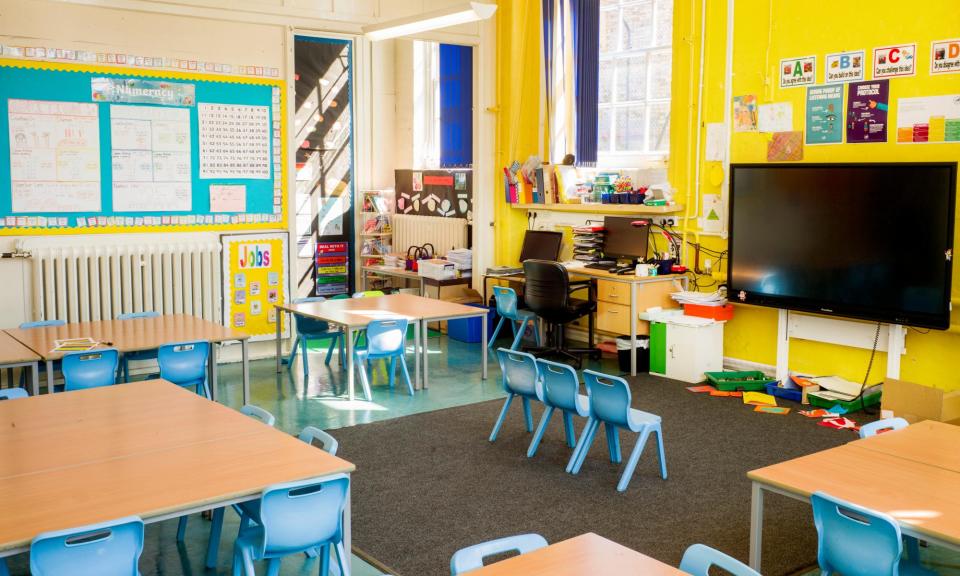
x=658, y=348
x=747, y=381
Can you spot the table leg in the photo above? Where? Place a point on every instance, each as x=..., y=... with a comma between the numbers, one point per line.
x=756, y=526
x=279, y=353
x=633, y=329
x=10, y=377
x=425, y=326
x=212, y=371
x=35, y=371
x=49, y=376
x=350, y=376
x=483, y=346
x=246, y=371
x=417, y=384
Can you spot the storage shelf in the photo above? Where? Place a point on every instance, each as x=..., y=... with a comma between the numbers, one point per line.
x=377, y=234
x=628, y=209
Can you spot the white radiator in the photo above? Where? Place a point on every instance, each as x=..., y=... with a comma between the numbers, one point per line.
x=444, y=233
x=99, y=282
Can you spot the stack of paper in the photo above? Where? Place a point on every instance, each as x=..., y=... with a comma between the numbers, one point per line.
x=717, y=298
x=462, y=258
x=836, y=388
x=503, y=271
x=74, y=345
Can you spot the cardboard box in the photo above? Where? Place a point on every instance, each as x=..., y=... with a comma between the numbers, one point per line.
x=915, y=402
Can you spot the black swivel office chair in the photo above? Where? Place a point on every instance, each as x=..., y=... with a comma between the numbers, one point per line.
x=547, y=294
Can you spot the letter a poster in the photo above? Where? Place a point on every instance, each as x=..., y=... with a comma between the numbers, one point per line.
x=867, y=107
x=254, y=282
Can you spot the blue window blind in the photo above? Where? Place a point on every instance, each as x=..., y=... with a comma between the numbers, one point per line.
x=456, y=106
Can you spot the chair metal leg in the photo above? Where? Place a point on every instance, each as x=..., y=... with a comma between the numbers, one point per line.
x=213, y=546
x=568, y=429
x=634, y=458
x=342, y=560
x=182, y=528
x=334, y=340
x=306, y=363
x=544, y=420
x=527, y=417
x=325, y=560
x=501, y=418
x=613, y=442
x=406, y=375
x=583, y=446
x=518, y=334
x=663, y=459
x=293, y=350
x=364, y=381
x=496, y=331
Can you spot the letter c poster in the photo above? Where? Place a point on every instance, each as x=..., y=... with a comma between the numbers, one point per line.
x=254, y=265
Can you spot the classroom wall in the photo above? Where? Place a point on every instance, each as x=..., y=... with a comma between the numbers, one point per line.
x=232, y=31
x=765, y=32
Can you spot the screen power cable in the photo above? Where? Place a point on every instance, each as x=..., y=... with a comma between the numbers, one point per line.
x=863, y=385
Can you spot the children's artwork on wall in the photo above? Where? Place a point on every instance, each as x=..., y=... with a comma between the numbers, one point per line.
x=945, y=56
x=785, y=146
x=249, y=262
x=776, y=117
x=867, y=106
x=930, y=119
x=745, y=113
x=447, y=193
x=824, y=123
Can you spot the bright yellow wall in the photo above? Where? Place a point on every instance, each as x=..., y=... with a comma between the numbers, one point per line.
x=794, y=28
x=765, y=32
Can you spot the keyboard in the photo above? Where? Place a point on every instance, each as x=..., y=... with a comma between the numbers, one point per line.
x=600, y=266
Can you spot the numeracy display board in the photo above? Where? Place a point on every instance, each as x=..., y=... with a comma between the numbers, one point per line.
x=108, y=149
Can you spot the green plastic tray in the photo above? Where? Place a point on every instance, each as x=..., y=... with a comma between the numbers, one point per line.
x=748, y=381
x=870, y=399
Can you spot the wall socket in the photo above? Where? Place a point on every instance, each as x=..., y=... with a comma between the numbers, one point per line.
x=665, y=221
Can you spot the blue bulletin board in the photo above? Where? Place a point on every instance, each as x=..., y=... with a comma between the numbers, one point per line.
x=205, y=152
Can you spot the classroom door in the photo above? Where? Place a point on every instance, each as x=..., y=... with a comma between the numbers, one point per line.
x=323, y=128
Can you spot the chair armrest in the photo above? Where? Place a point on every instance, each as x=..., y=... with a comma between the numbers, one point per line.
x=580, y=285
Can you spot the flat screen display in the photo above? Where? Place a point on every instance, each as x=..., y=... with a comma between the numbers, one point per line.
x=624, y=240
x=541, y=245
x=869, y=241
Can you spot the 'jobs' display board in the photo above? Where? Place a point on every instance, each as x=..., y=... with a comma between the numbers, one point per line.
x=88, y=149
x=254, y=282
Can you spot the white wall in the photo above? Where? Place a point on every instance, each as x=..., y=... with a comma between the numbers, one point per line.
x=255, y=31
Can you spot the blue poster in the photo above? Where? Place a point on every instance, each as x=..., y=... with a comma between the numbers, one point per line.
x=825, y=114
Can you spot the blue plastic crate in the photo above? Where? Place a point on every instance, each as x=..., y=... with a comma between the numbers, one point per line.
x=795, y=394
x=471, y=329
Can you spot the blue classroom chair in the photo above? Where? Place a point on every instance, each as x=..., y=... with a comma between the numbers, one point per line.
x=90, y=369
x=313, y=329
x=610, y=406
x=385, y=340
x=42, y=366
x=13, y=393
x=296, y=517
x=698, y=559
x=471, y=557
x=106, y=549
x=520, y=376
x=507, y=309
x=856, y=541
x=185, y=364
x=884, y=425
x=559, y=390
x=139, y=354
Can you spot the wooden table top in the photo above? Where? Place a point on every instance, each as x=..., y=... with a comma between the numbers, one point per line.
x=127, y=335
x=921, y=495
x=930, y=442
x=598, y=274
x=146, y=448
x=584, y=555
x=13, y=352
x=355, y=312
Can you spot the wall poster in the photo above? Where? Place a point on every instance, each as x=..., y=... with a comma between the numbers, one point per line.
x=254, y=280
x=934, y=119
x=824, y=114
x=331, y=266
x=867, y=104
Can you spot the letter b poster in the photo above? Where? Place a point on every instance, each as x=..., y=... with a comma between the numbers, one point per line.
x=254, y=283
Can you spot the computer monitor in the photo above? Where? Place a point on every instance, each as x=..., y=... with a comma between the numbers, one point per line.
x=624, y=239
x=541, y=245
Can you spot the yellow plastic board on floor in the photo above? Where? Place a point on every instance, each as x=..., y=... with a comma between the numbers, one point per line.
x=759, y=399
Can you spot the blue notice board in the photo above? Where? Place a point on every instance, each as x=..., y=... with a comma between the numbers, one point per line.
x=64, y=173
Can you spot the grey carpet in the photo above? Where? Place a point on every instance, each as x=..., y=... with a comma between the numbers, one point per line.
x=429, y=484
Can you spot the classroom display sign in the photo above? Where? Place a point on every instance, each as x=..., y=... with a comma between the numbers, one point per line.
x=798, y=71
x=892, y=61
x=332, y=268
x=98, y=149
x=929, y=119
x=843, y=67
x=867, y=107
x=945, y=56
x=254, y=282
x=824, y=114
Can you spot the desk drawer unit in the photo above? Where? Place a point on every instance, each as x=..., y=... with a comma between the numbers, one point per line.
x=615, y=318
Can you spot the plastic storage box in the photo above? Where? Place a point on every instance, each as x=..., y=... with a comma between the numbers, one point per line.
x=870, y=398
x=749, y=381
x=794, y=393
x=471, y=329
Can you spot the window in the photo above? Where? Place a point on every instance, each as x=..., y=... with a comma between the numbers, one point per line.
x=635, y=71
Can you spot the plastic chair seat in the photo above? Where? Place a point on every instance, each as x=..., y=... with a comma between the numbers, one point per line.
x=640, y=419
x=583, y=405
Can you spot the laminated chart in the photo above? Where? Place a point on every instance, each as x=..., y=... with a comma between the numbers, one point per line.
x=929, y=119
x=151, y=159
x=234, y=141
x=54, y=156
